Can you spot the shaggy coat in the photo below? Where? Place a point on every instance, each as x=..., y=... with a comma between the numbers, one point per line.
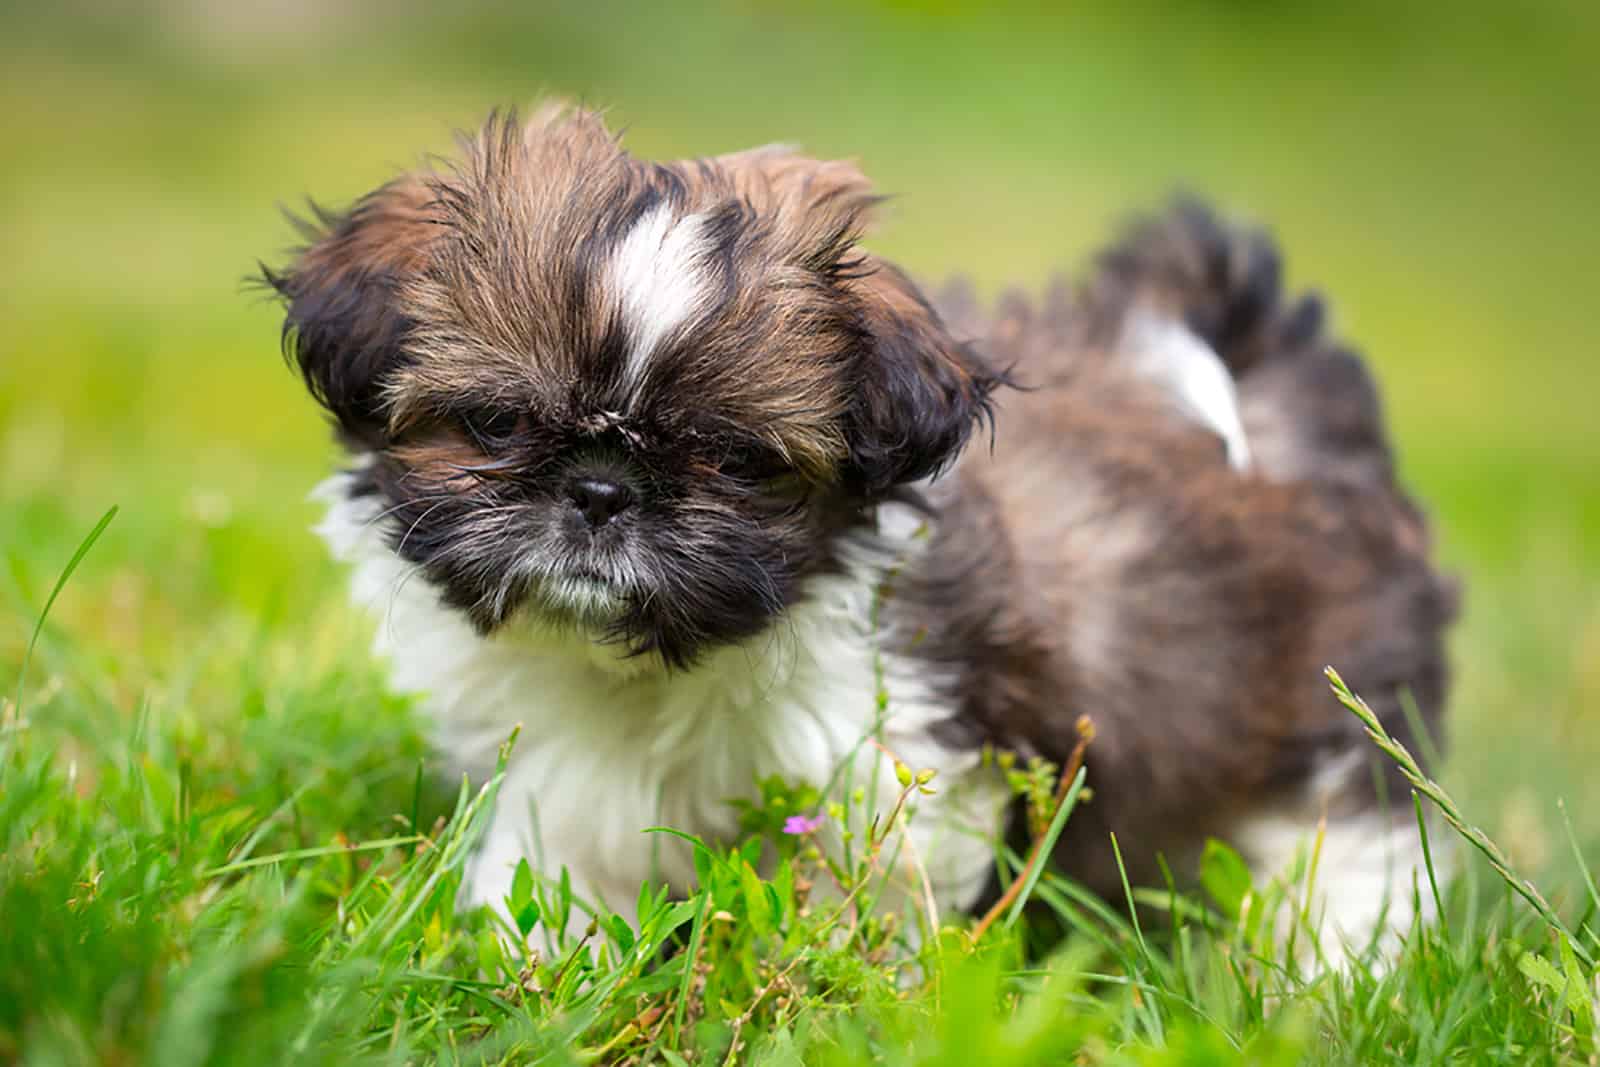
x=655, y=460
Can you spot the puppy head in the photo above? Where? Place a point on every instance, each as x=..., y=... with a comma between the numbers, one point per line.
x=639, y=399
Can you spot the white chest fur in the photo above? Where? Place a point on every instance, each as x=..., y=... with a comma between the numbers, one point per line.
x=609, y=747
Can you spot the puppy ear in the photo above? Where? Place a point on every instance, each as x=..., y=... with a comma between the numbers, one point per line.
x=345, y=321
x=920, y=392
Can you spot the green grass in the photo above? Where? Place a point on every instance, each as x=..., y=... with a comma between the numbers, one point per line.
x=223, y=841
x=286, y=891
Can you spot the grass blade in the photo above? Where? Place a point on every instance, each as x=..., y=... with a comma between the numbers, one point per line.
x=1452, y=814
x=38, y=627
x=1049, y=844
x=312, y=853
x=1427, y=862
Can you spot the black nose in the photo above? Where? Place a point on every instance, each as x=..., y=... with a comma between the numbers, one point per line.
x=600, y=499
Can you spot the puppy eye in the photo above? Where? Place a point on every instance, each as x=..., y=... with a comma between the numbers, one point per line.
x=491, y=430
x=753, y=465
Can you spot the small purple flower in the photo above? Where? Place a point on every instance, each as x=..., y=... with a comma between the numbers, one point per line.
x=801, y=824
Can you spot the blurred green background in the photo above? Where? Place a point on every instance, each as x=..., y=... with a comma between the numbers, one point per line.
x=1431, y=168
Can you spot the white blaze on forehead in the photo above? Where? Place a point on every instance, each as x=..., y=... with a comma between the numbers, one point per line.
x=658, y=277
x=1166, y=351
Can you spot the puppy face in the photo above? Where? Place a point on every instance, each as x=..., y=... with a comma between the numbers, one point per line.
x=641, y=400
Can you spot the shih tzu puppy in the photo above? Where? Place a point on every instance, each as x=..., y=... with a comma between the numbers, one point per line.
x=656, y=461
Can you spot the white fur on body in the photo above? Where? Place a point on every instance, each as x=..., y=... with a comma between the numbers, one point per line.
x=610, y=746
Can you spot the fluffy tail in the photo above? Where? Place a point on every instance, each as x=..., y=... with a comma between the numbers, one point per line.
x=1309, y=408
x=1310, y=413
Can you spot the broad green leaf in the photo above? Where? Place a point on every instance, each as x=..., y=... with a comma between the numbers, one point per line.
x=1542, y=972
x=521, y=886
x=620, y=932
x=1225, y=876
x=755, y=899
